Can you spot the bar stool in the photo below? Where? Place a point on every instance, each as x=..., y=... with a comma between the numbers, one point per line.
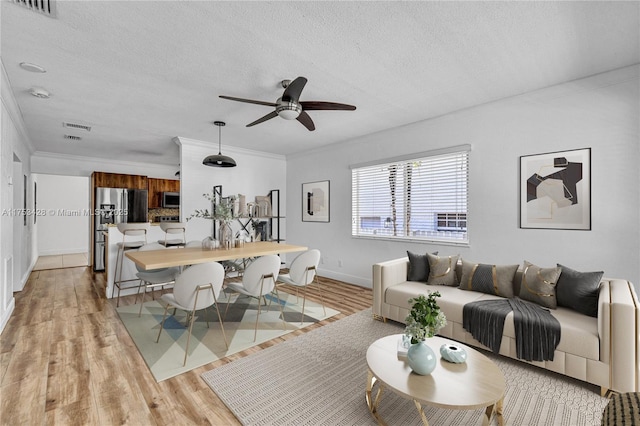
x=127, y=230
x=173, y=228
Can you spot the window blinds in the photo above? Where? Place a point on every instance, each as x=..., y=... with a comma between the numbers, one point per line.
x=421, y=198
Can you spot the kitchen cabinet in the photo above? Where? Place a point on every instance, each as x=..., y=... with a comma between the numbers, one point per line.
x=118, y=180
x=157, y=187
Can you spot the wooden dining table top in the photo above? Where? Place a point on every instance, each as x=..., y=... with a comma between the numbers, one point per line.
x=166, y=258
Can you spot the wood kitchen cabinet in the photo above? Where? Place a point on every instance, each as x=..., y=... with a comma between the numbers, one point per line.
x=157, y=187
x=118, y=180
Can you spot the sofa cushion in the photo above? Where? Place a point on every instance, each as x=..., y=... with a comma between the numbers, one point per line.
x=539, y=285
x=490, y=279
x=579, y=290
x=451, y=301
x=442, y=270
x=418, y=267
x=579, y=333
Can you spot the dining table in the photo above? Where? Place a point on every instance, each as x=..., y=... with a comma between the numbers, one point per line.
x=167, y=258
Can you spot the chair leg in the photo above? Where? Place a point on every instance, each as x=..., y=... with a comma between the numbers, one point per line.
x=137, y=293
x=186, y=349
x=321, y=296
x=162, y=323
x=284, y=323
x=141, y=301
x=227, y=308
x=224, y=336
x=119, y=276
x=304, y=301
x=255, y=331
x=115, y=274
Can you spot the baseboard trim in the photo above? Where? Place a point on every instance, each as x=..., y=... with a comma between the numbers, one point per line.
x=7, y=314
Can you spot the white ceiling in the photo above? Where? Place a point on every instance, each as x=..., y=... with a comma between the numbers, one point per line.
x=141, y=73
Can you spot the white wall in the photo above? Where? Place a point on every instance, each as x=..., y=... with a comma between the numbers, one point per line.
x=13, y=144
x=600, y=112
x=64, y=229
x=69, y=165
x=256, y=173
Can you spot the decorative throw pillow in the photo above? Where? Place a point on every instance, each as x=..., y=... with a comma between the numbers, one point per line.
x=490, y=279
x=442, y=270
x=418, y=267
x=539, y=285
x=579, y=290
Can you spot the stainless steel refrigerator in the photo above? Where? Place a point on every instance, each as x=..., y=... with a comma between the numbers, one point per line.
x=116, y=205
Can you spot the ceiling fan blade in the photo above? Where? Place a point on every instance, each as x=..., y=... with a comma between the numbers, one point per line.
x=318, y=105
x=293, y=90
x=306, y=121
x=249, y=101
x=269, y=116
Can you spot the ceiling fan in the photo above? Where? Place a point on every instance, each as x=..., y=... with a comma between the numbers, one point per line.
x=290, y=107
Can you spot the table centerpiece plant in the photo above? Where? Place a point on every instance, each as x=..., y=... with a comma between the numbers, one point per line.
x=424, y=321
x=221, y=211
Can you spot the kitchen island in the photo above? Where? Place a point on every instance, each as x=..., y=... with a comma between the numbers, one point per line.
x=112, y=238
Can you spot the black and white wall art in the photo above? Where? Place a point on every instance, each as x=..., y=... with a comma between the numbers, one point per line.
x=315, y=201
x=555, y=190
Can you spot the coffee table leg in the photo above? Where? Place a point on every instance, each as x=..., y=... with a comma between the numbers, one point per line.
x=421, y=411
x=490, y=410
x=373, y=404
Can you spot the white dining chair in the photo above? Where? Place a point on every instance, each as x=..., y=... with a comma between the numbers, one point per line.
x=303, y=273
x=196, y=288
x=259, y=280
x=153, y=278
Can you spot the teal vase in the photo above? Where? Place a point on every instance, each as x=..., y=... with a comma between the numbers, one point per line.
x=421, y=358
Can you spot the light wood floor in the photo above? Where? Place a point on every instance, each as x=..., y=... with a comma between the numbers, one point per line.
x=66, y=359
x=61, y=261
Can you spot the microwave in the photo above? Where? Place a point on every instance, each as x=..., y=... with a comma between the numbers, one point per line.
x=171, y=200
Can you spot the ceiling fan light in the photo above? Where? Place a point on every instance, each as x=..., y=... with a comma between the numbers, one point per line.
x=288, y=110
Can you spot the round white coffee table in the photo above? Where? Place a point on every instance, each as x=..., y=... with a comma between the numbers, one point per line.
x=477, y=383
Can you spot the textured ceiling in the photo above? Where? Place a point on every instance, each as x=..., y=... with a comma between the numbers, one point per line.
x=141, y=73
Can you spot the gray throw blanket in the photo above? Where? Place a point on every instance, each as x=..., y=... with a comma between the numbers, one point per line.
x=537, y=331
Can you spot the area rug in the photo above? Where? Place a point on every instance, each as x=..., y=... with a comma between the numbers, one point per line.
x=165, y=358
x=319, y=378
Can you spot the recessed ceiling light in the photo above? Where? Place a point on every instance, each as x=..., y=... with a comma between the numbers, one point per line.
x=39, y=92
x=31, y=67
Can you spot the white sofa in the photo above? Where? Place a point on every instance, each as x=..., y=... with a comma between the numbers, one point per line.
x=604, y=351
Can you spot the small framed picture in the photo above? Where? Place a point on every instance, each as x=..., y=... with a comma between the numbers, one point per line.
x=555, y=190
x=315, y=201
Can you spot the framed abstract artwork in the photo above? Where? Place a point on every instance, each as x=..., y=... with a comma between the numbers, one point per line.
x=555, y=190
x=315, y=201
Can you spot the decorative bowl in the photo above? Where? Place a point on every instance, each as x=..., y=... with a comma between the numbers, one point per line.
x=452, y=353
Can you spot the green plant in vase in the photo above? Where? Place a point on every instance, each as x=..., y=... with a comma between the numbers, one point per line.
x=221, y=211
x=424, y=321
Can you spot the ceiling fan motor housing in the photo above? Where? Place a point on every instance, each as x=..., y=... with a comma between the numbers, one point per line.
x=289, y=110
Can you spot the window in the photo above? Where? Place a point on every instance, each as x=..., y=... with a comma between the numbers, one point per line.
x=420, y=197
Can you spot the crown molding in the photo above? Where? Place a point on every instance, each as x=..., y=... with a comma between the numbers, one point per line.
x=182, y=141
x=9, y=102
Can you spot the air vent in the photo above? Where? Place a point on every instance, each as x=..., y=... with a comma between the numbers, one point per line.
x=73, y=138
x=46, y=7
x=77, y=126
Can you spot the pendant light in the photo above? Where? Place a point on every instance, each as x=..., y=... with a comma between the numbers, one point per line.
x=219, y=160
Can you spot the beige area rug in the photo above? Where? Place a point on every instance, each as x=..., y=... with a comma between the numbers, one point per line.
x=61, y=261
x=319, y=378
x=165, y=358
